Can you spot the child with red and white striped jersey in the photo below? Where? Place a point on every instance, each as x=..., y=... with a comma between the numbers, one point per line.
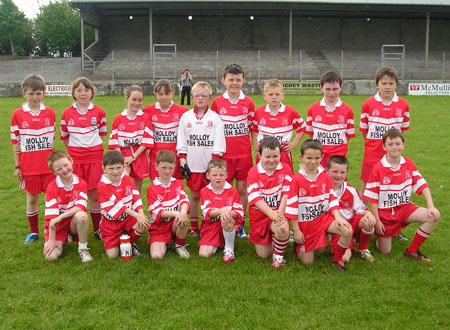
x=132, y=134
x=268, y=185
x=389, y=190
x=121, y=205
x=83, y=126
x=331, y=121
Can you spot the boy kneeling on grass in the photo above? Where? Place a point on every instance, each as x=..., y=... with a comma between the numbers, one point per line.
x=65, y=209
x=389, y=190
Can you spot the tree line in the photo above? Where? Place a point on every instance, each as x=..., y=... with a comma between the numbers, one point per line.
x=54, y=32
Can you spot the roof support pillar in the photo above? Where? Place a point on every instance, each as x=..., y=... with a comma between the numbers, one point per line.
x=150, y=32
x=427, y=38
x=290, y=36
x=82, y=40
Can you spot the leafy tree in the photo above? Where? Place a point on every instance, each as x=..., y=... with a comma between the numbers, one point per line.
x=15, y=29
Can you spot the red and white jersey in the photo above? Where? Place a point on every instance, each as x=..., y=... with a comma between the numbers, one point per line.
x=309, y=198
x=268, y=187
x=199, y=138
x=128, y=132
x=59, y=199
x=84, y=132
x=165, y=197
x=35, y=133
x=237, y=117
x=334, y=127
x=391, y=187
x=280, y=124
x=378, y=117
x=115, y=198
x=212, y=200
x=165, y=125
x=350, y=202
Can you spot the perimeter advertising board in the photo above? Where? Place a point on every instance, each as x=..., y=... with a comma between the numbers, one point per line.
x=428, y=89
x=301, y=87
x=57, y=90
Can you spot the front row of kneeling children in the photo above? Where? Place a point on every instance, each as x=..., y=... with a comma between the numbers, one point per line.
x=316, y=202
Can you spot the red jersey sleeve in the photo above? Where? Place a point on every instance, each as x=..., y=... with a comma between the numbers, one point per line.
x=205, y=203
x=237, y=206
x=309, y=128
x=155, y=208
x=291, y=211
x=102, y=129
x=147, y=139
x=254, y=195
x=51, y=202
x=113, y=137
x=372, y=192
x=350, y=132
x=364, y=120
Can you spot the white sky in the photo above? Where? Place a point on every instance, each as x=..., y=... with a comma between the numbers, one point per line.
x=30, y=7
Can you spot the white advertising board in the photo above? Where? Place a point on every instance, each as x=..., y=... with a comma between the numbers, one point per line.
x=428, y=89
x=57, y=90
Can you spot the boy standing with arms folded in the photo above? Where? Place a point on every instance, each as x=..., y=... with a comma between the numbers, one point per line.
x=236, y=111
x=389, y=189
x=33, y=129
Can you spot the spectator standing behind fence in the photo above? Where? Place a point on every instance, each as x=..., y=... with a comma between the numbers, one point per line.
x=186, y=83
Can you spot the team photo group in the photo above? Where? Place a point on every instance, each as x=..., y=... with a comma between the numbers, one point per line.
x=211, y=148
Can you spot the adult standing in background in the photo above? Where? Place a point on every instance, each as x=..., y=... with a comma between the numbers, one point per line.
x=186, y=84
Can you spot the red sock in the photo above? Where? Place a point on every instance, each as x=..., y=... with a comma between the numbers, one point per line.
x=180, y=241
x=339, y=251
x=96, y=217
x=194, y=222
x=364, y=239
x=418, y=240
x=33, y=221
x=279, y=245
x=134, y=236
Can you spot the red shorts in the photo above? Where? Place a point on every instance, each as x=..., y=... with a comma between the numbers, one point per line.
x=139, y=168
x=262, y=232
x=211, y=234
x=315, y=233
x=111, y=231
x=354, y=221
x=35, y=184
x=197, y=181
x=62, y=229
x=394, y=219
x=366, y=169
x=238, y=168
x=286, y=158
x=154, y=172
x=89, y=172
x=161, y=232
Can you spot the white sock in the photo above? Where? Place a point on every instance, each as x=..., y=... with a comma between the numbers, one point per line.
x=82, y=246
x=229, y=239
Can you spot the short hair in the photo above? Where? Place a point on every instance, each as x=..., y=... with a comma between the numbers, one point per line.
x=34, y=82
x=134, y=88
x=386, y=71
x=233, y=69
x=86, y=82
x=113, y=157
x=269, y=142
x=330, y=77
x=311, y=144
x=202, y=84
x=55, y=156
x=216, y=163
x=273, y=83
x=166, y=156
x=340, y=160
x=164, y=84
x=392, y=134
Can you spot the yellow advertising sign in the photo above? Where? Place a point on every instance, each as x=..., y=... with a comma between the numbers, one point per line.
x=301, y=87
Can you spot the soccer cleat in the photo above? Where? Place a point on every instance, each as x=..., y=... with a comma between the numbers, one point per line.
x=193, y=232
x=278, y=261
x=402, y=237
x=339, y=266
x=85, y=256
x=241, y=233
x=135, y=251
x=183, y=252
x=228, y=255
x=98, y=234
x=417, y=256
x=366, y=255
x=31, y=238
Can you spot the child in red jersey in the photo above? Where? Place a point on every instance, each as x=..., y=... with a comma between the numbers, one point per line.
x=268, y=185
x=32, y=134
x=331, y=121
x=236, y=111
x=168, y=206
x=313, y=209
x=65, y=209
x=351, y=209
x=132, y=134
x=121, y=205
x=165, y=116
x=222, y=213
x=83, y=126
x=200, y=139
x=389, y=189
x=279, y=120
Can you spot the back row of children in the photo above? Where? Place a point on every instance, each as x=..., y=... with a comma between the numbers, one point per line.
x=329, y=121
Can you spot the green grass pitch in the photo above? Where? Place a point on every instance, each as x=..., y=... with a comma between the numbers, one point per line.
x=393, y=292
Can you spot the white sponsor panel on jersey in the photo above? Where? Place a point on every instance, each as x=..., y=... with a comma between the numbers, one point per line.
x=428, y=89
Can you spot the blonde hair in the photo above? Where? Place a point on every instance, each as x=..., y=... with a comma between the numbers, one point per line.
x=217, y=163
x=55, y=156
x=202, y=84
x=134, y=88
x=34, y=82
x=273, y=83
x=86, y=83
x=166, y=156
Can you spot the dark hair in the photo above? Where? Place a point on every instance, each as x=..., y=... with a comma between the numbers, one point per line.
x=392, y=134
x=340, y=160
x=233, y=69
x=311, y=144
x=86, y=83
x=386, y=71
x=330, y=77
x=113, y=157
x=134, y=88
x=55, y=156
x=164, y=84
x=269, y=142
x=34, y=82
x=166, y=156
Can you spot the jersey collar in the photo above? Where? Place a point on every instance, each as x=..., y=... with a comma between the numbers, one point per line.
x=227, y=96
x=281, y=109
x=196, y=114
x=226, y=186
x=26, y=108
x=340, y=192
x=156, y=182
x=386, y=164
x=125, y=113
x=302, y=171
x=331, y=109
x=60, y=184
x=263, y=171
x=90, y=107
x=105, y=180
x=379, y=99
x=158, y=106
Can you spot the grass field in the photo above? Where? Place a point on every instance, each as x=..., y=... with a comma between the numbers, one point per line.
x=393, y=292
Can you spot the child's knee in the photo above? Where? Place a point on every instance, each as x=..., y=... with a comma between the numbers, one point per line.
x=305, y=259
x=112, y=253
x=157, y=256
x=382, y=247
x=82, y=217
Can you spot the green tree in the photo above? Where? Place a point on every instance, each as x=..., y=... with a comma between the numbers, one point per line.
x=15, y=29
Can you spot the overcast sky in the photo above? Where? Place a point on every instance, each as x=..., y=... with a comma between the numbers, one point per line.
x=30, y=7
